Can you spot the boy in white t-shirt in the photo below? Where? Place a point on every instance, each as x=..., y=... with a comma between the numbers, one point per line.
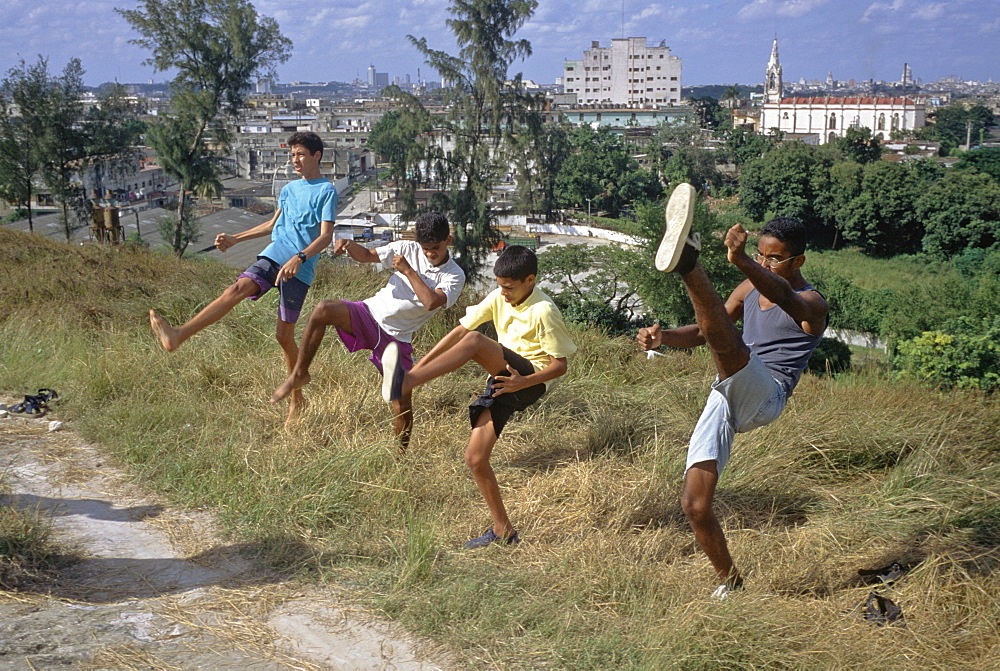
x=426, y=280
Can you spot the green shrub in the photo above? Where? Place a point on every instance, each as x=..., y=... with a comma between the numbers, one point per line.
x=831, y=356
x=964, y=354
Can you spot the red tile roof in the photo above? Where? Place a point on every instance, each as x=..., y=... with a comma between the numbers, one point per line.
x=852, y=100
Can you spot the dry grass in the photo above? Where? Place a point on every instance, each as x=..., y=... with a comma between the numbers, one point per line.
x=860, y=470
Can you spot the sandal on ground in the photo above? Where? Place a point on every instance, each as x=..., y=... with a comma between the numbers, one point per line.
x=47, y=395
x=31, y=406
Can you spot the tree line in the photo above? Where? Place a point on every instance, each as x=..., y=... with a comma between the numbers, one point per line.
x=48, y=135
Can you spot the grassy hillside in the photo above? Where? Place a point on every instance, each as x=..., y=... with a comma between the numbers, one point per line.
x=859, y=471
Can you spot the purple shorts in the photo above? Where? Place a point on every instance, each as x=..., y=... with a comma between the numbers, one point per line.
x=369, y=335
x=292, y=293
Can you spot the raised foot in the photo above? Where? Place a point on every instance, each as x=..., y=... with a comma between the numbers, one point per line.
x=288, y=386
x=678, y=250
x=167, y=334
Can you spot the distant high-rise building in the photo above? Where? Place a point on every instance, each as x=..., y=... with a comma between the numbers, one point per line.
x=371, y=75
x=629, y=72
x=381, y=79
x=907, y=78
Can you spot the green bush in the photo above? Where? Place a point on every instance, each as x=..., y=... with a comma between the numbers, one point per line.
x=830, y=356
x=598, y=315
x=964, y=354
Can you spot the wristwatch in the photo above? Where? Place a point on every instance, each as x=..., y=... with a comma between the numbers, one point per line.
x=302, y=256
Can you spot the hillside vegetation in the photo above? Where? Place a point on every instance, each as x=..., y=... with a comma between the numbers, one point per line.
x=860, y=471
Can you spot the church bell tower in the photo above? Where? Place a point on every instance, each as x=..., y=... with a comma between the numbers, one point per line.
x=772, y=80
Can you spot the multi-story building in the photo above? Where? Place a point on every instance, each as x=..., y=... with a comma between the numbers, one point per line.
x=629, y=73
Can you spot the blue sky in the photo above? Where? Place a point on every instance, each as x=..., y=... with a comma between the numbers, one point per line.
x=719, y=42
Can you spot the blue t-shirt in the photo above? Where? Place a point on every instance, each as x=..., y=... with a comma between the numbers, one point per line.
x=304, y=203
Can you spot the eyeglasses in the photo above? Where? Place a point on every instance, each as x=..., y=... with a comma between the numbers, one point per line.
x=772, y=262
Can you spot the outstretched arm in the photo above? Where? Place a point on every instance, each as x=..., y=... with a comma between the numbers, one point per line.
x=224, y=241
x=808, y=308
x=687, y=337
x=355, y=251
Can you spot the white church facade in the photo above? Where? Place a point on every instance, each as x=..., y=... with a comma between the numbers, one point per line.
x=821, y=119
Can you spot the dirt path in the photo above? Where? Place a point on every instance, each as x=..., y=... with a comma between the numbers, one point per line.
x=156, y=589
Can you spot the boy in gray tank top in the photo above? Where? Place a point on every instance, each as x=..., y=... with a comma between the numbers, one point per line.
x=784, y=318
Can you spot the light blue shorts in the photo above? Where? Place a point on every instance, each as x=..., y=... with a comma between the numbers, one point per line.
x=749, y=399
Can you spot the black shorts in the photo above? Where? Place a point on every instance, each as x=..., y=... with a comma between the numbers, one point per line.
x=505, y=405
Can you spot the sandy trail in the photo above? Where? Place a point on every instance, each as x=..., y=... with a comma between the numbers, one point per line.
x=156, y=589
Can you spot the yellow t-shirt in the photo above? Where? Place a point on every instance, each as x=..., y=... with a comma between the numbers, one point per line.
x=534, y=329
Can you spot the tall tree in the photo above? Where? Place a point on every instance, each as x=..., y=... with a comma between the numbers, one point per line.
x=731, y=96
x=113, y=133
x=601, y=171
x=859, y=145
x=396, y=138
x=785, y=182
x=24, y=95
x=955, y=123
x=882, y=219
x=960, y=212
x=484, y=108
x=539, y=154
x=985, y=160
x=742, y=145
x=217, y=47
x=65, y=146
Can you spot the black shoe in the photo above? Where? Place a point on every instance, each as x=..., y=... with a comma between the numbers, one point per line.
x=489, y=538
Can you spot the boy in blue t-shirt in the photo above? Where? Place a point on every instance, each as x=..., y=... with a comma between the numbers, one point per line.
x=300, y=229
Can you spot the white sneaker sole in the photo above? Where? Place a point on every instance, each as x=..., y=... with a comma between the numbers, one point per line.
x=390, y=363
x=679, y=215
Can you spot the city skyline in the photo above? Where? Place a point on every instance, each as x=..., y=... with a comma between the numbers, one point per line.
x=719, y=42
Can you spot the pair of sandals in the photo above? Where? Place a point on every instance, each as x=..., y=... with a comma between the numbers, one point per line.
x=35, y=405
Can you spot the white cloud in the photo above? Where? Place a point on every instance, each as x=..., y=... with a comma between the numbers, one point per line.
x=762, y=9
x=931, y=11
x=877, y=8
x=990, y=27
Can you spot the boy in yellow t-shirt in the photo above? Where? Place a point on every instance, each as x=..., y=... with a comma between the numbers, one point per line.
x=532, y=350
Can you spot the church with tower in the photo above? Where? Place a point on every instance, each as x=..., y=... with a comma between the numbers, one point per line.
x=821, y=119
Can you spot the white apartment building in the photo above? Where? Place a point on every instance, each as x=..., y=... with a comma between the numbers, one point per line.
x=629, y=73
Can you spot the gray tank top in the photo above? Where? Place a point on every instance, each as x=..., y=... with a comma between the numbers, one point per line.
x=778, y=339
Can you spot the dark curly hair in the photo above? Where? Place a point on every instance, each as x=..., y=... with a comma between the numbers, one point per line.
x=312, y=142
x=789, y=230
x=431, y=227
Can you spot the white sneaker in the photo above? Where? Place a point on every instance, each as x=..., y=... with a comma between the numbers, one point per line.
x=392, y=373
x=721, y=593
x=679, y=215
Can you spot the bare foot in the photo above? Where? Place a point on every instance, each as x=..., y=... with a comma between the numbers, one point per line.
x=291, y=384
x=169, y=338
x=296, y=405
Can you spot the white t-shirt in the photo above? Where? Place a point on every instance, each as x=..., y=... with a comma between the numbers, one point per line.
x=396, y=307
